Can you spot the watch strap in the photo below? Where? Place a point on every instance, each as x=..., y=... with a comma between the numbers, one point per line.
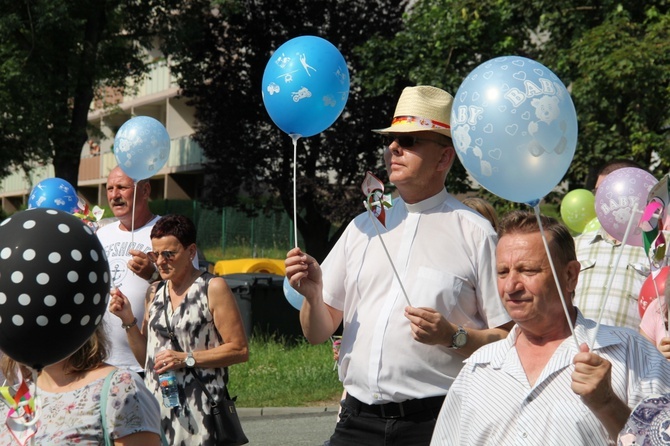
x=129, y=326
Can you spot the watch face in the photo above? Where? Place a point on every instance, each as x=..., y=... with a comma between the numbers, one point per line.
x=460, y=339
x=190, y=361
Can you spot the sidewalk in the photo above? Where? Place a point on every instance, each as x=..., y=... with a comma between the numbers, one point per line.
x=246, y=412
x=295, y=426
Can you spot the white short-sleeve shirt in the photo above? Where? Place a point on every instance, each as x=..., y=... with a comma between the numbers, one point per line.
x=444, y=254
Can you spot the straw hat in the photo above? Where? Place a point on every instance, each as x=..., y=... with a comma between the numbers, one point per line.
x=421, y=108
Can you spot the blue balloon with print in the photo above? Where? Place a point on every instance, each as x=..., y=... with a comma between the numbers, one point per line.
x=54, y=193
x=514, y=127
x=141, y=147
x=292, y=296
x=305, y=86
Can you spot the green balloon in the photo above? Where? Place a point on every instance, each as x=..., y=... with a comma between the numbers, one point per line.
x=593, y=225
x=578, y=209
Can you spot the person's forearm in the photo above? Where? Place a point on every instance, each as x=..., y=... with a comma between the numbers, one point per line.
x=317, y=321
x=138, y=344
x=613, y=416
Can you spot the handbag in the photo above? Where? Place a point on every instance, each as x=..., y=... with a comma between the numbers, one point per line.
x=228, y=428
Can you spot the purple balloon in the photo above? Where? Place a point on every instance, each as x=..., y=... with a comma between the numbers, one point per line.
x=616, y=197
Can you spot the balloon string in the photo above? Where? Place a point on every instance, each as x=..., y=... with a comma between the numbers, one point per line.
x=132, y=214
x=613, y=274
x=295, y=137
x=536, y=207
x=657, y=294
x=388, y=256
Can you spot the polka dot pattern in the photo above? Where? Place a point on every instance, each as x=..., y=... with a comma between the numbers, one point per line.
x=54, y=284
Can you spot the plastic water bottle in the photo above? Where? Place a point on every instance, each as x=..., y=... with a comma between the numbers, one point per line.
x=169, y=389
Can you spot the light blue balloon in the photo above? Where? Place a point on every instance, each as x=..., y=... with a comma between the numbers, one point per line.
x=141, y=147
x=305, y=86
x=514, y=127
x=54, y=193
x=292, y=296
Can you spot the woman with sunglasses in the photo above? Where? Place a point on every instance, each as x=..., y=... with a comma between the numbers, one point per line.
x=201, y=312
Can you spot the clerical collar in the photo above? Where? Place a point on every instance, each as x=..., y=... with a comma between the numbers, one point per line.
x=428, y=203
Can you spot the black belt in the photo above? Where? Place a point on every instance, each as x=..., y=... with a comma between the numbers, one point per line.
x=395, y=410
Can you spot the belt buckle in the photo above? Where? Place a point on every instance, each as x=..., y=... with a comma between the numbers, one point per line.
x=397, y=413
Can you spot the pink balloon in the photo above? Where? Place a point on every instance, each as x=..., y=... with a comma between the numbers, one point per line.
x=619, y=192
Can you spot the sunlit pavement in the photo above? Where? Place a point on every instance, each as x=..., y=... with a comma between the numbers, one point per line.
x=283, y=426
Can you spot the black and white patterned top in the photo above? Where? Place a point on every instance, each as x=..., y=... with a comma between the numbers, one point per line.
x=194, y=329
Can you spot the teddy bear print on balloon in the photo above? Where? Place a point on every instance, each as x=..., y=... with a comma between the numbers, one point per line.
x=547, y=111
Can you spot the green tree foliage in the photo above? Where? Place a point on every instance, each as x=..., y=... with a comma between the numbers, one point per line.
x=621, y=88
x=220, y=56
x=613, y=56
x=54, y=56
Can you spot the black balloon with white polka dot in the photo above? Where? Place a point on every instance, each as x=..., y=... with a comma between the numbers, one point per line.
x=54, y=285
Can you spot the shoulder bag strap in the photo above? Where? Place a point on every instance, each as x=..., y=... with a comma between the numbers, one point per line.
x=103, y=407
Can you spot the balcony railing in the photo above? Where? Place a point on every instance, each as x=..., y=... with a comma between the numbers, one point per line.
x=184, y=152
x=158, y=79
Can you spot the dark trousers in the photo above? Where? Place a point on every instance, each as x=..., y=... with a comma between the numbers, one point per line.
x=403, y=424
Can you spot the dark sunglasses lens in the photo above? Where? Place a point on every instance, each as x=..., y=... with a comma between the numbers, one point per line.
x=152, y=256
x=403, y=140
x=167, y=255
x=406, y=141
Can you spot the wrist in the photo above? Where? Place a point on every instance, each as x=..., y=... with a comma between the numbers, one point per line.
x=459, y=338
x=154, y=276
x=129, y=325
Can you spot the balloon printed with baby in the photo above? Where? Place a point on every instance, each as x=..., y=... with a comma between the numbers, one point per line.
x=514, y=128
x=620, y=199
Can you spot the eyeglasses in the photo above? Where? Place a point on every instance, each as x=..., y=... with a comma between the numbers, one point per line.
x=167, y=255
x=407, y=141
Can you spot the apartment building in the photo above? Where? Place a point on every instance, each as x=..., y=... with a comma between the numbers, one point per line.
x=157, y=96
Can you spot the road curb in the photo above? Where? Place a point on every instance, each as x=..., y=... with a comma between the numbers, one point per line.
x=245, y=412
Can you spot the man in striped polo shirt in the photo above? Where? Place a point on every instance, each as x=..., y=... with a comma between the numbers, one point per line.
x=548, y=382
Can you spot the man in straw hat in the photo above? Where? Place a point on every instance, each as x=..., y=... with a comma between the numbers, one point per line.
x=396, y=360
x=548, y=383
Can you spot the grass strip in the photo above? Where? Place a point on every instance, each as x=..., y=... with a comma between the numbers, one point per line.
x=283, y=373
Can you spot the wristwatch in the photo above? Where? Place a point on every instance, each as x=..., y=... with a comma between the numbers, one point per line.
x=190, y=360
x=459, y=339
x=155, y=276
x=129, y=326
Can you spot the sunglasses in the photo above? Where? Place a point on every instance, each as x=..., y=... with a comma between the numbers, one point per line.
x=167, y=255
x=406, y=141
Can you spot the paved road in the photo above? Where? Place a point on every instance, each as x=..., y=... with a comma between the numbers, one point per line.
x=282, y=426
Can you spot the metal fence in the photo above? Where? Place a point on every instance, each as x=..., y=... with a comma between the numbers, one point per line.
x=230, y=229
